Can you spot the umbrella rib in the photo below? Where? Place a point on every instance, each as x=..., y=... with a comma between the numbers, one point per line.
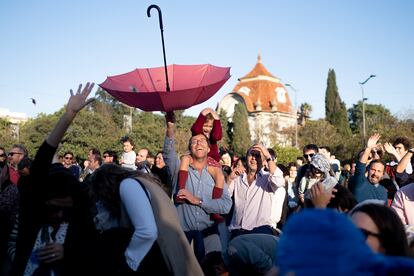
x=152, y=81
x=205, y=73
x=204, y=88
x=199, y=85
x=142, y=80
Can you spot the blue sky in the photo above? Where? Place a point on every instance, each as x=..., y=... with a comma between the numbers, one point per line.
x=48, y=47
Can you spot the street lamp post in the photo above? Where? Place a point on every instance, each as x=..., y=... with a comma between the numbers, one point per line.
x=296, y=113
x=363, y=106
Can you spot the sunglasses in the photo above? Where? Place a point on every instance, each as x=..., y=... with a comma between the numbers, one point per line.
x=369, y=233
x=310, y=155
x=2, y=155
x=13, y=153
x=105, y=155
x=69, y=158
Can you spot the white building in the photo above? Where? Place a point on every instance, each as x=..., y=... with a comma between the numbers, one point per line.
x=15, y=118
x=271, y=115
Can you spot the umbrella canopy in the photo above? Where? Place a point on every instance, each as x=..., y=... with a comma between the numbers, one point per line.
x=146, y=88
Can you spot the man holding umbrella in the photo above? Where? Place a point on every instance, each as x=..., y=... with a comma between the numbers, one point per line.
x=194, y=214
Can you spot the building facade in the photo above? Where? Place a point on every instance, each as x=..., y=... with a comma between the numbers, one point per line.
x=272, y=116
x=15, y=119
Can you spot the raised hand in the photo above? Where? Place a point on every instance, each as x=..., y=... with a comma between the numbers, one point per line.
x=319, y=197
x=207, y=110
x=373, y=140
x=390, y=149
x=75, y=103
x=263, y=150
x=78, y=101
x=170, y=117
x=170, y=121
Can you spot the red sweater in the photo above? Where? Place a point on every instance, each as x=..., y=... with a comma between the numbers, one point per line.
x=215, y=135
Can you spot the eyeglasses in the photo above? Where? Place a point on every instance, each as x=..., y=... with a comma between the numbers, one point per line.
x=69, y=158
x=2, y=155
x=13, y=153
x=310, y=155
x=369, y=233
x=105, y=155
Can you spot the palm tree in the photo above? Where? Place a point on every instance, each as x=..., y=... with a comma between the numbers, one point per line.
x=305, y=110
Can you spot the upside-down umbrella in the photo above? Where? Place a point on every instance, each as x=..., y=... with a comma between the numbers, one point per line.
x=149, y=88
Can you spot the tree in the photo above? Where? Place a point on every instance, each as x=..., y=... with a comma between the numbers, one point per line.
x=377, y=119
x=335, y=109
x=34, y=131
x=7, y=137
x=285, y=155
x=91, y=129
x=241, y=133
x=318, y=132
x=322, y=133
x=226, y=128
x=106, y=103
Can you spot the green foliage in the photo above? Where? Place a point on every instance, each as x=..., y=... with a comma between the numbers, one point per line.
x=322, y=133
x=285, y=155
x=106, y=103
x=7, y=136
x=91, y=129
x=241, y=133
x=226, y=128
x=305, y=110
x=34, y=132
x=318, y=132
x=182, y=131
x=377, y=119
x=335, y=109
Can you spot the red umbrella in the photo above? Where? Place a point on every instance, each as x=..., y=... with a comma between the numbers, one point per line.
x=149, y=88
x=146, y=88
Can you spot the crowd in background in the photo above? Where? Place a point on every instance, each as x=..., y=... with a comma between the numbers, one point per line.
x=205, y=211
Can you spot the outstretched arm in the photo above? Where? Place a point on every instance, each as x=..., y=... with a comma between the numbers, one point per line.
x=402, y=165
x=75, y=104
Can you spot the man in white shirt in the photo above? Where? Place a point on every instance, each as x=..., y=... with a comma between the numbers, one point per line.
x=258, y=195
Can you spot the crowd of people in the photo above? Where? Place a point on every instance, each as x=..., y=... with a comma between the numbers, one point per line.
x=206, y=211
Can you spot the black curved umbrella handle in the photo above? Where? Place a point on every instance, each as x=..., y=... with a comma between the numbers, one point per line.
x=162, y=39
x=159, y=14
